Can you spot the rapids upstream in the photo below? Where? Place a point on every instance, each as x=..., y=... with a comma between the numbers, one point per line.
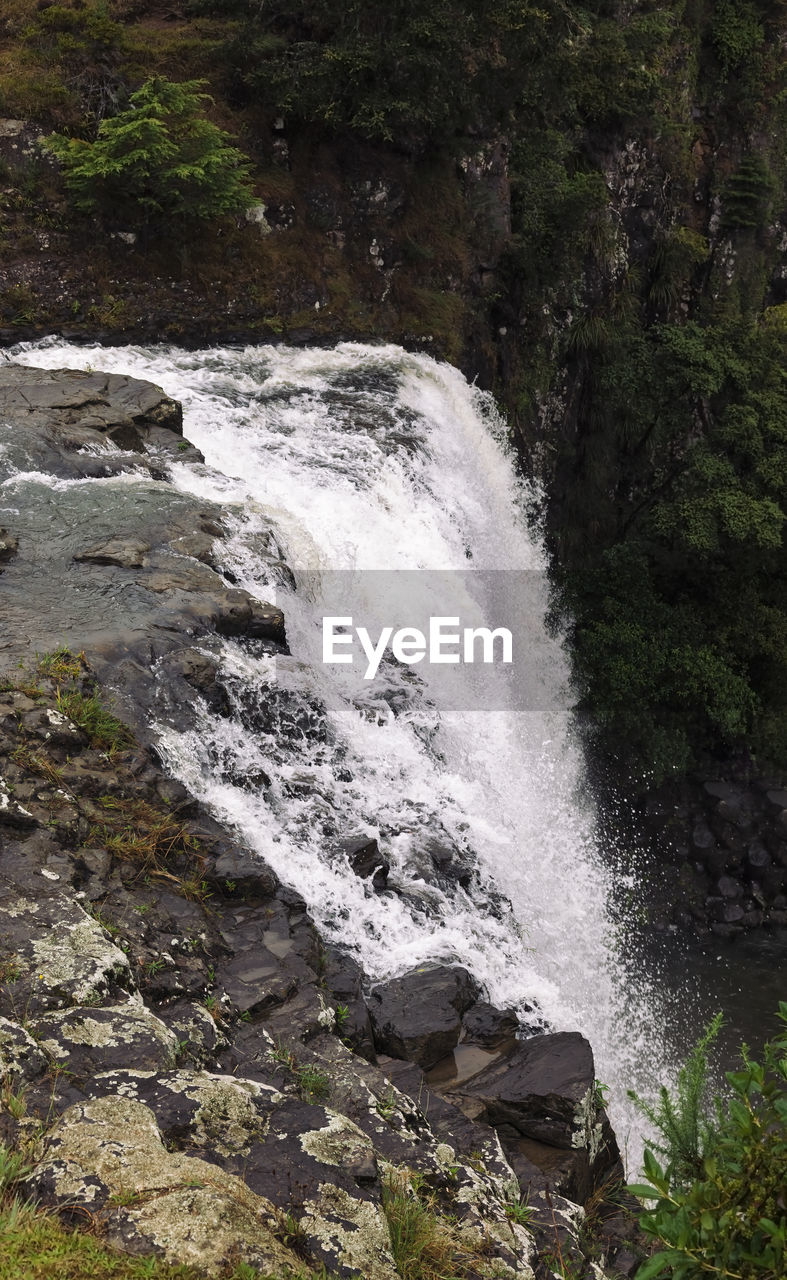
x=390, y=486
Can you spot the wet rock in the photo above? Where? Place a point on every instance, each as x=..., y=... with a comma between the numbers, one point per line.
x=757, y=856
x=419, y=1016
x=702, y=837
x=255, y=980
x=61, y=416
x=8, y=545
x=55, y=954
x=87, y=1041
x=108, y=1156
x=366, y=860
x=490, y=1027
x=241, y=872
x=540, y=1088
x=241, y=615
x=723, y=791
x=343, y=979
x=126, y=553
x=729, y=887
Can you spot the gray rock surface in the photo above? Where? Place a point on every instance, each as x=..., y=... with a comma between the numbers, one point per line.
x=125, y=570
x=108, y=1155
x=419, y=1016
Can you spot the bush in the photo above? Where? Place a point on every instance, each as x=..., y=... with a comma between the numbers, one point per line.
x=720, y=1206
x=160, y=161
x=85, y=45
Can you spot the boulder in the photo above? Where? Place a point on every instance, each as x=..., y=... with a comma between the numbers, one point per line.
x=366, y=860
x=107, y=1156
x=541, y=1089
x=490, y=1027
x=55, y=954
x=90, y=1040
x=419, y=1016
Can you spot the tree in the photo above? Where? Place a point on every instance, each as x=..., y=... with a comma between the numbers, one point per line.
x=160, y=161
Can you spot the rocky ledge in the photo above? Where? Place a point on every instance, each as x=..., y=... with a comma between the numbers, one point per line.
x=184, y=1062
x=123, y=567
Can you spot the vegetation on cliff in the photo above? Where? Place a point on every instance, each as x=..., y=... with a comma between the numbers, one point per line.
x=623, y=294
x=158, y=161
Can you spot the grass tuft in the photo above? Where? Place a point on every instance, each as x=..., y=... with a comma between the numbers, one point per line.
x=88, y=712
x=421, y=1243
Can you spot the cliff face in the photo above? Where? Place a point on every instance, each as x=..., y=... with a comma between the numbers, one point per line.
x=584, y=208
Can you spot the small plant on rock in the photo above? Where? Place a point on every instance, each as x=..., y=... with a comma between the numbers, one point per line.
x=420, y=1241
x=519, y=1211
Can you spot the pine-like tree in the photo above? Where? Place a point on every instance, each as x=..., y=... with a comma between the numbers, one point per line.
x=161, y=161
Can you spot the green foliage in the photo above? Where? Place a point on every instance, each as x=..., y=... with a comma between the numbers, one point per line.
x=673, y=263
x=13, y=1168
x=87, y=711
x=420, y=1244
x=159, y=161
x=681, y=1119
x=85, y=45
x=717, y=1204
x=314, y=1084
x=682, y=481
x=737, y=35
x=618, y=65
x=520, y=1211
x=746, y=196
x=399, y=71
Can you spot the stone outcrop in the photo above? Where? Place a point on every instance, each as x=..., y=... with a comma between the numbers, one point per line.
x=108, y=1155
x=129, y=575
x=419, y=1016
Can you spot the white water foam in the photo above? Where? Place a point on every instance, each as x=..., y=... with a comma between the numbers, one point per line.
x=369, y=458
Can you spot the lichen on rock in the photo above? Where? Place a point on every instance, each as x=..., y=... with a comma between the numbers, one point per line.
x=108, y=1155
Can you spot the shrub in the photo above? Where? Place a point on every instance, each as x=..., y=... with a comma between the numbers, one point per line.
x=86, y=46
x=720, y=1198
x=160, y=161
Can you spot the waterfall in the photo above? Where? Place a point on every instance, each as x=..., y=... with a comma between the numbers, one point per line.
x=350, y=463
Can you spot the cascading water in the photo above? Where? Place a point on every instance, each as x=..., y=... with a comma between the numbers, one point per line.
x=366, y=459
